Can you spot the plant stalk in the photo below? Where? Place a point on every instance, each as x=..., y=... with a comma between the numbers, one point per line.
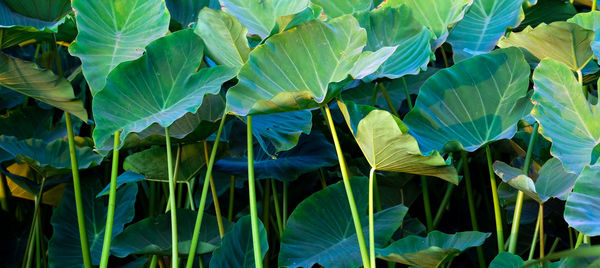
x=209, y=167
x=388, y=100
x=173, y=205
x=426, y=203
x=85, y=248
x=346, y=179
x=371, y=218
x=472, y=212
x=215, y=196
x=534, y=239
x=541, y=217
x=277, y=211
x=285, y=204
x=252, y=194
x=438, y=215
x=112, y=197
x=497, y=212
x=231, y=198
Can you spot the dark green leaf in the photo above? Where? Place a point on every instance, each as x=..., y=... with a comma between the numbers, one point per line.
x=236, y=247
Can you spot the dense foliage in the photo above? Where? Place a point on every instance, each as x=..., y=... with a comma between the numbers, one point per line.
x=330, y=133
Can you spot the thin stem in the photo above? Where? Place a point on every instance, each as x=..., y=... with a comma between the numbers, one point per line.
x=554, y=245
x=408, y=99
x=112, y=197
x=371, y=218
x=252, y=194
x=497, y=215
x=579, y=240
x=190, y=196
x=426, y=203
x=231, y=198
x=3, y=193
x=215, y=196
x=514, y=231
x=198, y=224
x=472, y=212
x=438, y=215
x=85, y=248
x=374, y=97
x=534, y=239
x=153, y=261
x=541, y=217
x=594, y=5
x=277, y=212
x=33, y=231
x=285, y=204
x=346, y=179
x=388, y=100
x=570, y=237
x=178, y=187
x=174, y=241
x=444, y=57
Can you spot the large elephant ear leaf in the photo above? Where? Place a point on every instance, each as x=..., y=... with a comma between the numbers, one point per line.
x=581, y=210
x=338, y=8
x=261, y=16
x=236, y=247
x=431, y=251
x=43, y=85
x=388, y=27
x=483, y=26
x=320, y=229
x=186, y=11
x=563, y=41
x=438, y=16
x=461, y=109
x=590, y=21
x=160, y=87
x=111, y=32
x=292, y=70
x=385, y=142
x=565, y=116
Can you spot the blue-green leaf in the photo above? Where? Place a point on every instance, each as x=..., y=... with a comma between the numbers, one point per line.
x=237, y=249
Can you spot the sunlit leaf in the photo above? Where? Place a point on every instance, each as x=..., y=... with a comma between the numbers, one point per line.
x=582, y=209
x=591, y=21
x=337, y=8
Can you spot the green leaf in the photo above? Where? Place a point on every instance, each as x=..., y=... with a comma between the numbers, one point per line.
x=224, y=37
x=152, y=235
x=236, y=247
x=281, y=131
x=432, y=251
x=43, y=85
x=159, y=87
x=461, y=109
x=438, y=16
x=260, y=16
x=483, y=26
x=566, y=42
x=590, y=21
x=386, y=144
x=320, y=230
x=186, y=11
x=506, y=260
x=338, y=8
x=48, y=159
x=31, y=122
x=581, y=210
x=564, y=115
x=547, y=11
x=125, y=178
x=111, y=32
x=64, y=248
x=292, y=70
x=389, y=27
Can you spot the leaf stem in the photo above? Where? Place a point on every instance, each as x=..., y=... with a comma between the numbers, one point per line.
x=497, y=212
x=33, y=230
x=541, y=217
x=209, y=167
x=579, y=240
x=408, y=99
x=472, y=212
x=388, y=100
x=426, y=203
x=534, y=239
x=514, y=231
x=277, y=211
x=215, y=196
x=285, y=204
x=231, y=198
x=371, y=217
x=252, y=194
x=346, y=179
x=173, y=205
x=438, y=215
x=594, y=5
x=110, y=214
x=85, y=248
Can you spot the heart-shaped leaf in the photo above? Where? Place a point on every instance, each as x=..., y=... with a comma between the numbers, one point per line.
x=292, y=70
x=506, y=260
x=566, y=42
x=582, y=209
x=64, y=246
x=159, y=87
x=389, y=27
x=338, y=8
x=43, y=85
x=461, y=109
x=387, y=146
x=590, y=21
x=432, y=251
x=320, y=230
x=483, y=26
x=152, y=235
x=565, y=116
x=236, y=247
x=111, y=32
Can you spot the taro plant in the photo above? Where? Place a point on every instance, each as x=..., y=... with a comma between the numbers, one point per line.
x=361, y=133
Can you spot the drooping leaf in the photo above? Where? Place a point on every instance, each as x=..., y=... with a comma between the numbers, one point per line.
x=506, y=260
x=224, y=37
x=438, y=16
x=483, y=26
x=43, y=85
x=125, y=178
x=236, y=248
x=387, y=146
x=461, y=109
x=186, y=11
x=292, y=70
x=260, y=16
x=583, y=204
x=152, y=235
x=48, y=159
x=320, y=229
x=51, y=196
x=311, y=153
x=431, y=251
x=590, y=21
x=337, y=8
x=159, y=87
x=111, y=32
x=565, y=116
x=566, y=42
x=389, y=27
x=281, y=131
x=64, y=246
